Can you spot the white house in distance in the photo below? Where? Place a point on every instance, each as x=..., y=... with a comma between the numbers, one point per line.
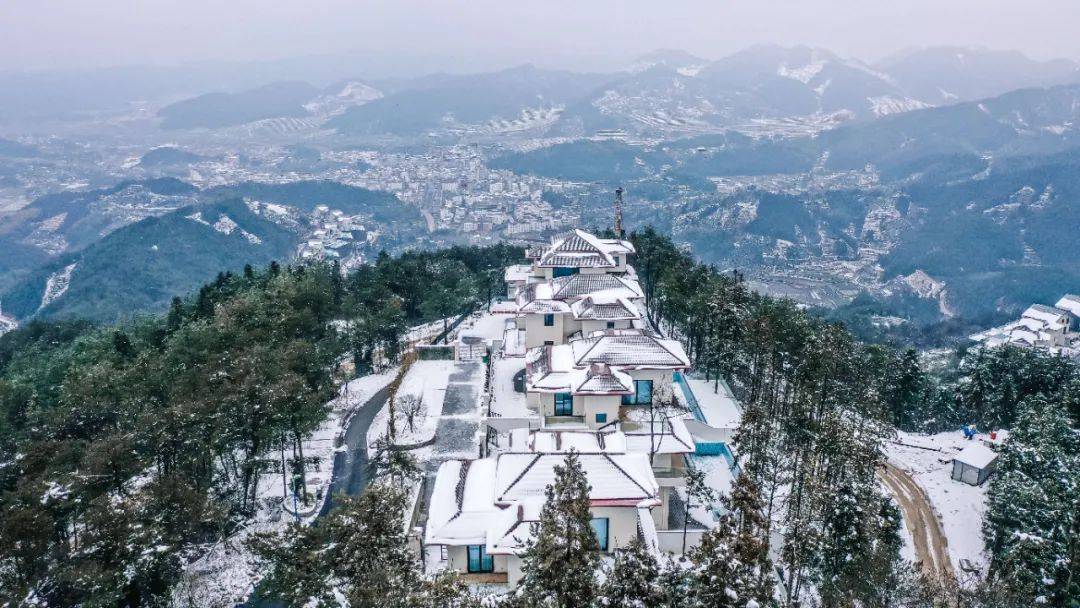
x=1054, y=329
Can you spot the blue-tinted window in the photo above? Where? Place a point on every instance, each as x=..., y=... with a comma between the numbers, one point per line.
x=600, y=527
x=642, y=393
x=601, y=418
x=564, y=404
x=479, y=560
x=564, y=272
x=549, y=320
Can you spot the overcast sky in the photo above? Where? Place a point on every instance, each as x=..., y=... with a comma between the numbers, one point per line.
x=481, y=34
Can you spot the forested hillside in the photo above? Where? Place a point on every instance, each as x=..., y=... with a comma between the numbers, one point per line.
x=820, y=404
x=126, y=449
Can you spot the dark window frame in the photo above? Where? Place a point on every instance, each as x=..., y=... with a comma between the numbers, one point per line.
x=484, y=562
x=562, y=402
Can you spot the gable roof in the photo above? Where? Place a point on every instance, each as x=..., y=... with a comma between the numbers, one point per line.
x=577, y=285
x=603, y=308
x=624, y=477
x=1069, y=302
x=579, y=249
x=629, y=348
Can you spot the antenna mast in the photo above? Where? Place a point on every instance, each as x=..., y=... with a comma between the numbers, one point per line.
x=618, y=212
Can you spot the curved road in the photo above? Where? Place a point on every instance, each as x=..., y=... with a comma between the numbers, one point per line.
x=350, y=472
x=931, y=544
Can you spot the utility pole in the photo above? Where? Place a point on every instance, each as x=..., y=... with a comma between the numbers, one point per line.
x=618, y=212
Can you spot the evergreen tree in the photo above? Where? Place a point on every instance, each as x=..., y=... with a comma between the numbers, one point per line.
x=633, y=581
x=561, y=559
x=1032, y=507
x=719, y=579
x=674, y=584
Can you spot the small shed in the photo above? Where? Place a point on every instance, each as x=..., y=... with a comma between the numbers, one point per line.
x=974, y=464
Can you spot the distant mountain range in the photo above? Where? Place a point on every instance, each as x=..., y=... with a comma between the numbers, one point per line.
x=667, y=92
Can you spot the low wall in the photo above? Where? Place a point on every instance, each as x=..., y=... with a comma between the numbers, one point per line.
x=671, y=541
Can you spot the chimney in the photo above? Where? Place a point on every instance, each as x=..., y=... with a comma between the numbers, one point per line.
x=618, y=212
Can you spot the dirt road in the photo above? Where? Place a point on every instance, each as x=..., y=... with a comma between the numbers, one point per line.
x=931, y=545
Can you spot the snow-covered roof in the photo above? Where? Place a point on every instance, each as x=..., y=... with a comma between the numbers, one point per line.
x=604, y=308
x=598, y=364
x=625, y=478
x=487, y=501
x=1046, y=313
x=517, y=273
x=629, y=348
x=462, y=502
x=579, y=249
x=544, y=306
x=549, y=369
x=977, y=455
x=665, y=437
x=556, y=442
x=1069, y=302
x=578, y=285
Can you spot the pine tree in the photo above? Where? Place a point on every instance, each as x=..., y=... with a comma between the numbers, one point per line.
x=633, y=580
x=560, y=561
x=752, y=537
x=674, y=584
x=719, y=579
x=1032, y=505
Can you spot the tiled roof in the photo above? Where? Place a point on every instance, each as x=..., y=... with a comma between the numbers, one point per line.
x=580, y=249
x=604, y=309
x=600, y=378
x=628, y=348
x=545, y=306
x=583, y=284
x=614, y=476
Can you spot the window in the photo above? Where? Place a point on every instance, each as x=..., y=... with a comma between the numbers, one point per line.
x=549, y=343
x=564, y=404
x=563, y=272
x=618, y=260
x=601, y=418
x=642, y=393
x=549, y=320
x=479, y=560
x=611, y=325
x=600, y=527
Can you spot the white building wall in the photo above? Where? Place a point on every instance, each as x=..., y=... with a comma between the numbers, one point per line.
x=536, y=333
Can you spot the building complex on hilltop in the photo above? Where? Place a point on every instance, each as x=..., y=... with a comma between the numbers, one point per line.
x=599, y=381
x=1054, y=329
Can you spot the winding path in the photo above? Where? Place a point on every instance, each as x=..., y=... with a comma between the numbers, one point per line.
x=931, y=544
x=350, y=472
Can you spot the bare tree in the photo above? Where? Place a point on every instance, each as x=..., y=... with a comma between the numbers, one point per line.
x=411, y=409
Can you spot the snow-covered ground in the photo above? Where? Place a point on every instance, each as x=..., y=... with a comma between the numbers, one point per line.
x=226, y=573
x=959, y=506
x=427, y=381
x=720, y=408
x=506, y=402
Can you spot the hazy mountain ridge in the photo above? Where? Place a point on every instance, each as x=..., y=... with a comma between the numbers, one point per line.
x=142, y=266
x=663, y=92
